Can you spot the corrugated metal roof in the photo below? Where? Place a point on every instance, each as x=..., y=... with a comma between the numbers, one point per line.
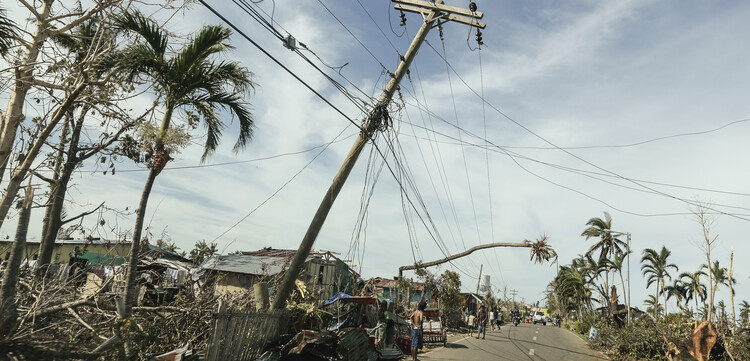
x=271, y=252
x=281, y=253
x=246, y=264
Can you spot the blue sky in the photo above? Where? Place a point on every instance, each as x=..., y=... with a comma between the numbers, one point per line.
x=571, y=88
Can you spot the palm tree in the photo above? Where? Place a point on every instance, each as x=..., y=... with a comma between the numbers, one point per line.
x=720, y=276
x=190, y=79
x=652, y=302
x=655, y=265
x=616, y=264
x=744, y=312
x=8, y=32
x=694, y=288
x=608, y=242
x=599, y=269
x=677, y=290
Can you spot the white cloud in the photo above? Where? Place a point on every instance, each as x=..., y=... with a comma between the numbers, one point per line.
x=576, y=73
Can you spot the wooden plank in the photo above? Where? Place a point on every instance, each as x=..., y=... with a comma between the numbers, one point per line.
x=442, y=7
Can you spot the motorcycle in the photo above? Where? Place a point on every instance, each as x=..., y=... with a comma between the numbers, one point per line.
x=516, y=321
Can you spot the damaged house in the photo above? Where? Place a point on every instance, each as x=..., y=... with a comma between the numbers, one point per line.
x=324, y=274
x=387, y=288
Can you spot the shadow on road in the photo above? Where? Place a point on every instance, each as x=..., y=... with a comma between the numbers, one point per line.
x=455, y=345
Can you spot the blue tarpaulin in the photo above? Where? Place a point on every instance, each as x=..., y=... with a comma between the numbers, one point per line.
x=336, y=297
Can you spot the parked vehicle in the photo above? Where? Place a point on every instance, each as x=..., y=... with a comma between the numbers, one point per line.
x=539, y=317
x=432, y=327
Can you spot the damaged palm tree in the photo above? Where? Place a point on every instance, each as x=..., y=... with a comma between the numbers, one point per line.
x=190, y=79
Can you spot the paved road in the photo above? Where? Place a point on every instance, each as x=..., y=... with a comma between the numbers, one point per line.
x=523, y=342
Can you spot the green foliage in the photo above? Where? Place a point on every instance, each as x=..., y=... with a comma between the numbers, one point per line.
x=642, y=339
x=166, y=245
x=745, y=314
x=578, y=327
x=602, y=229
x=740, y=345
x=450, y=297
x=655, y=266
x=8, y=30
x=191, y=79
x=202, y=251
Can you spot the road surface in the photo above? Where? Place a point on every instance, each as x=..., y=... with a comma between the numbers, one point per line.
x=517, y=343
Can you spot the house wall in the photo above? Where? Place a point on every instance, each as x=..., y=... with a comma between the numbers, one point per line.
x=321, y=279
x=233, y=283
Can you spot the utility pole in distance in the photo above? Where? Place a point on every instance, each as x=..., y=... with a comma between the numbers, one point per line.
x=432, y=13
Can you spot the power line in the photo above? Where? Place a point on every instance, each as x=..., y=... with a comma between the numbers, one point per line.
x=280, y=188
x=691, y=203
x=278, y=63
x=505, y=147
x=254, y=14
x=514, y=155
x=352, y=34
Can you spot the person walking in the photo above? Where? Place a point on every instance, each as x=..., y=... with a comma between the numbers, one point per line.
x=471, y=322
x=482, y=323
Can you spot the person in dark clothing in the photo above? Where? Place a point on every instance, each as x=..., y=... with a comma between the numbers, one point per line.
x=482, y=322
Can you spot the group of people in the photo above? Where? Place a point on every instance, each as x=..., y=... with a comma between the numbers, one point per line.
x=482, y=320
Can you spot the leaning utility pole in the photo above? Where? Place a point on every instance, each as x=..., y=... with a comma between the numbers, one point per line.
x=479, y=281
x=431, y=13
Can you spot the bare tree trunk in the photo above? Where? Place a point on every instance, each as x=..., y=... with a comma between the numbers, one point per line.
x=131, y=284
x=15, y=181
x=8, y=311
x=665, y=299
x=52, y=218
x=656, y=304
x=731, y=288
x=710, y=285
x=43, y=261
x=24, y=74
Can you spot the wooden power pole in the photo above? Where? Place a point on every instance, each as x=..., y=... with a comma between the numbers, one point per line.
x=432, y=13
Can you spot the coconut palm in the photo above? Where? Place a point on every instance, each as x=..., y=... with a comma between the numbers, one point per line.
x=187, y=79
x=720, y=277
x=693, y=287
x=678, y=290
x=652, y=303
x=599, y=270
x=616, y=264
x=608, y=242
x=744, y=312
x=8, y=32
x=572, y=286
x=656, y=266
